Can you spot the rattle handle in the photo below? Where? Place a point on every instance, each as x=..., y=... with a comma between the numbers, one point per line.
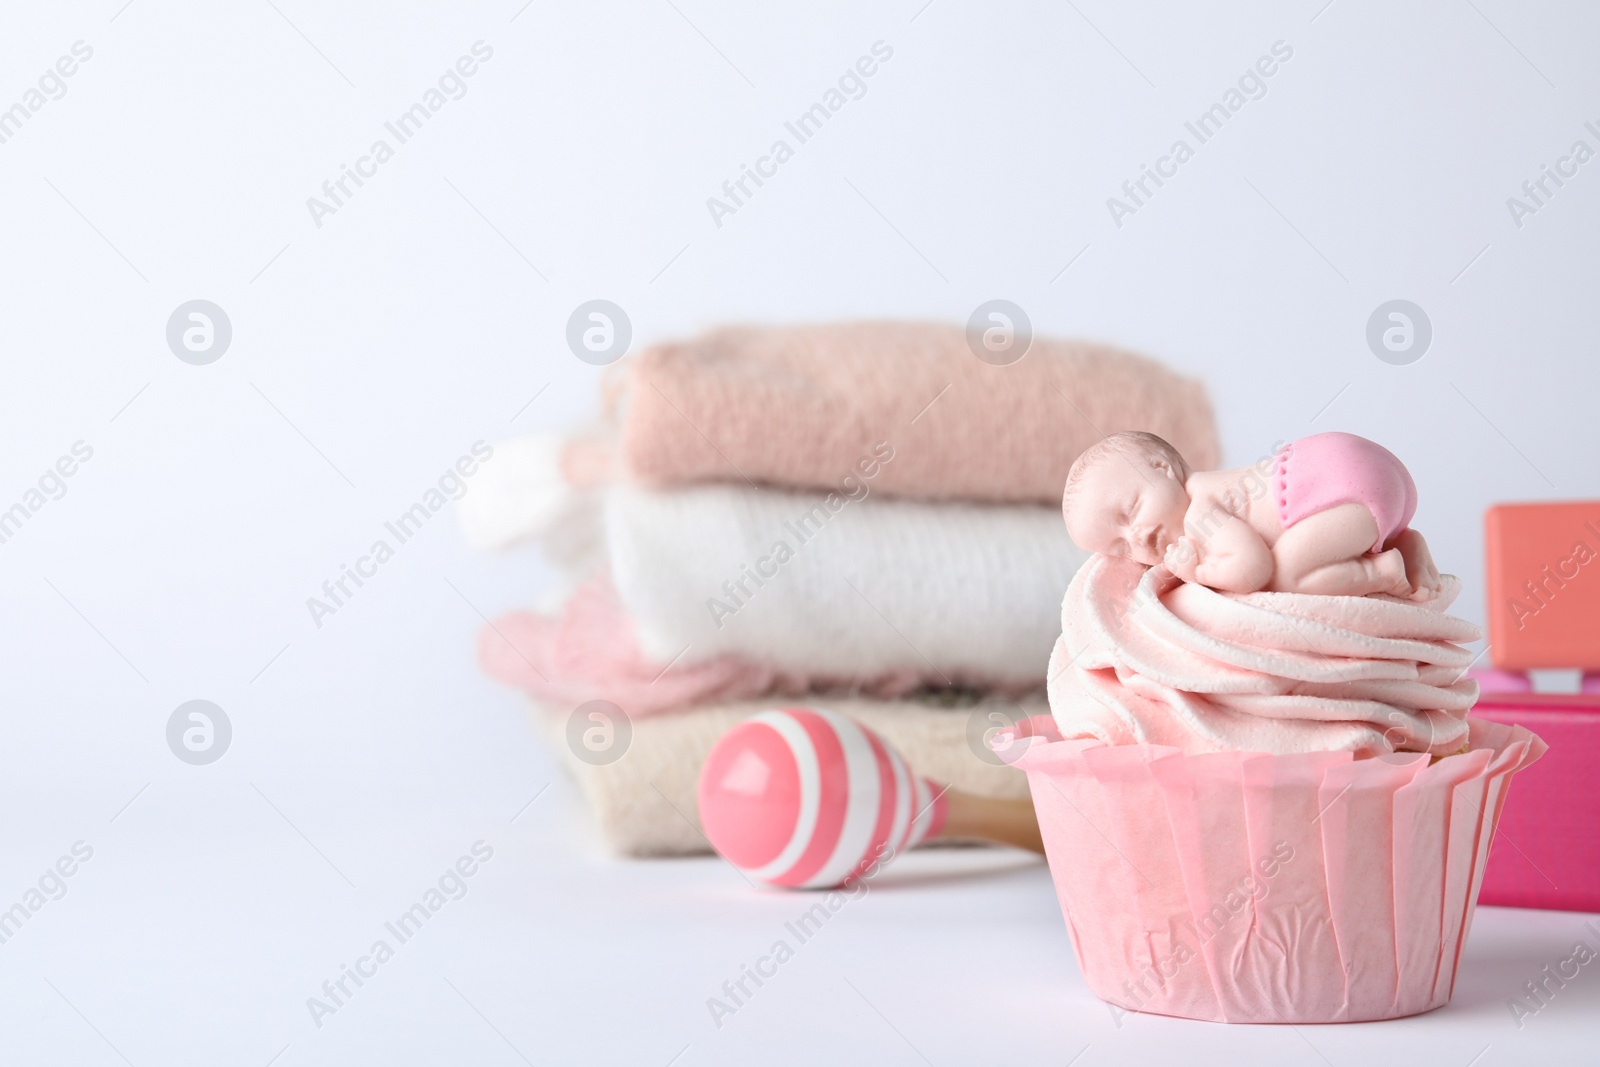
x=1008, y=820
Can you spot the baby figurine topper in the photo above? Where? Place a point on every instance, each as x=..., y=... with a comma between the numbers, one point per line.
x=1327, y=514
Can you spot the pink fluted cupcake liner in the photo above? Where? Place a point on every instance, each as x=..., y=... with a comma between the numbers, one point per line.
x=1247, y=887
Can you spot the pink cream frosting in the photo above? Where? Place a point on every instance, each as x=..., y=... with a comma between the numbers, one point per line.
x=1145, y=658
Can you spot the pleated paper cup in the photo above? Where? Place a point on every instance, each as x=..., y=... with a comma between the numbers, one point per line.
x=1253, y=888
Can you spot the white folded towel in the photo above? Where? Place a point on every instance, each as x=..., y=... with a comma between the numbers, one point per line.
x=826, y=584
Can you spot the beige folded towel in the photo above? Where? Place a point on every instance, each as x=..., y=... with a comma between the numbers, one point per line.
x=645, y=801
x=806, y=406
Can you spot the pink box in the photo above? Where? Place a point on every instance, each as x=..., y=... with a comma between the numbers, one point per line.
x=1546, y=853
x=1544, y=611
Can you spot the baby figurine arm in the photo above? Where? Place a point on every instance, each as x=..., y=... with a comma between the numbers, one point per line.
x=1234, y=558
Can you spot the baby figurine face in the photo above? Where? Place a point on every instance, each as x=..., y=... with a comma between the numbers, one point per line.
x=1127, y=500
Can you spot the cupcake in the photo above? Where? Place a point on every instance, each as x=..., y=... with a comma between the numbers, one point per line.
x=1265, y=807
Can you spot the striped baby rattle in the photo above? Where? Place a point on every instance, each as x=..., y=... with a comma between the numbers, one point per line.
x=806, y=799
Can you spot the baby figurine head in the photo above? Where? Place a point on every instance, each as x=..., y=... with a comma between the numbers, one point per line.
x=1125, y=496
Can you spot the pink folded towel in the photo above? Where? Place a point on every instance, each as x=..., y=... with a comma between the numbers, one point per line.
x=591, y=651
x=802, y=406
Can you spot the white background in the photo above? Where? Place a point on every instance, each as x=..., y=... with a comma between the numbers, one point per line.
x=370, y=353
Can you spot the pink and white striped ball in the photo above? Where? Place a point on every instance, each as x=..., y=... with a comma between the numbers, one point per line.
x=804, y=799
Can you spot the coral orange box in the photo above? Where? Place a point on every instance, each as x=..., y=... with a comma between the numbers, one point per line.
x=1543, y=563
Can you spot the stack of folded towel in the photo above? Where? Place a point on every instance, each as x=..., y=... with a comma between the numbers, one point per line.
x=863, y=516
